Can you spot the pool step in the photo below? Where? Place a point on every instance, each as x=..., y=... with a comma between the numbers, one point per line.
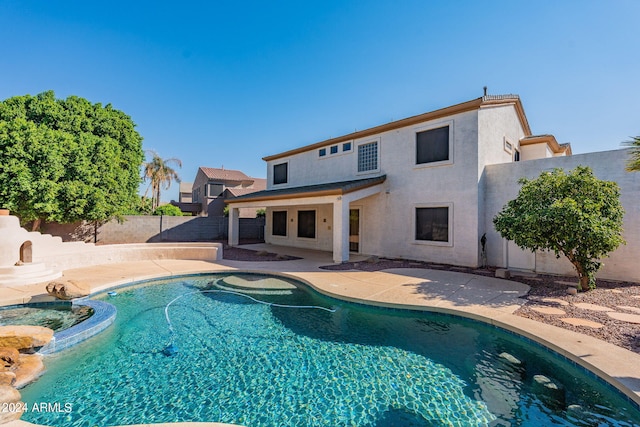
x=27, y=274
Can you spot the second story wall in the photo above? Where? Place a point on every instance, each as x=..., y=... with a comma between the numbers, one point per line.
x=394, y=153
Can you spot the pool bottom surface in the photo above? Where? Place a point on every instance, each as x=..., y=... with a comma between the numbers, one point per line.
x=246, y=363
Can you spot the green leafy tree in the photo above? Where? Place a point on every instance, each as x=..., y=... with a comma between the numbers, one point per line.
x=168, y=210
x=142, y=206
x=160, y=175
x=634, y=162
x=572, y=214
x=67, y=160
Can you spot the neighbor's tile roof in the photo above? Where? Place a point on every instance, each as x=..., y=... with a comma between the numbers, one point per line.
x=341, y=187
x=225, y=174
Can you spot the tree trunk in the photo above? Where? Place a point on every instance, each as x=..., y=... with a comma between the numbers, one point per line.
x=35, y=226
x=584, y=283
x=584, y=278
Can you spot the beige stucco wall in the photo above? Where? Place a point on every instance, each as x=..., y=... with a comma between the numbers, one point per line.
x=501, y=186
x=324, y=224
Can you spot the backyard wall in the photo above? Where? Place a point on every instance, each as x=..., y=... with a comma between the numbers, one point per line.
x=151, y=229
x=501, y=185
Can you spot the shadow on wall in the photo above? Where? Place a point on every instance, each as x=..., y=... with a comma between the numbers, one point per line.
x=154, y=229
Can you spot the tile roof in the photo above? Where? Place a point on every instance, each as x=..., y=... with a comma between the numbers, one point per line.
x=341, y=187
x=236, y=192
x=225, y=174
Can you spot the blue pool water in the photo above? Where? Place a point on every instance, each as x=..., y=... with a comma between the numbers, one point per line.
x=243, y=362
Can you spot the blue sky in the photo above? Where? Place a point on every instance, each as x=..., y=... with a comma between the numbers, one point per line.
x=227, y=83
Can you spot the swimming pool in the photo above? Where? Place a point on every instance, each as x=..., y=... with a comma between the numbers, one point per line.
x=247, y=363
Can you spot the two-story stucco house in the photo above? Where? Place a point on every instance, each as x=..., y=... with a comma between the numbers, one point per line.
x=410, y=189
x=213, y=185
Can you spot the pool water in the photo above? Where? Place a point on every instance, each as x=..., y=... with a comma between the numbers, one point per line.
x=57, y=316
x=247, y=363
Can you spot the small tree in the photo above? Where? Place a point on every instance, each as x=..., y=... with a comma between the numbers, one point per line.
x=634, y=162
x=572, y=214
x=168, y=210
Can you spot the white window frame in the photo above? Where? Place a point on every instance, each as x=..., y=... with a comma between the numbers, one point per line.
x=273, y=174
x=507, y=146
x=430, y=126
x=449, y=242
x=365, y=142
x=340, y=151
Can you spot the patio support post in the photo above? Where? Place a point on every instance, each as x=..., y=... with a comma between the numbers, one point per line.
x=234, y=226
x=340, y=230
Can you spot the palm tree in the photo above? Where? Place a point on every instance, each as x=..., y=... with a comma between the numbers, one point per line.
x=634, y=161
x=160, y=174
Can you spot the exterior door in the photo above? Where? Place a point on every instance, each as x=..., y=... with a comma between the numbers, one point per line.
x=354, y=230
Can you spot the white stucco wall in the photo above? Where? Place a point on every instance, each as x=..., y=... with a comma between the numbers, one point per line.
x=501, y=186
x=496, y=124
x=388, y=218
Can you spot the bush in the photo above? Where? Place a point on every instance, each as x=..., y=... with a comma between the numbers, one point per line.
x=168, y=210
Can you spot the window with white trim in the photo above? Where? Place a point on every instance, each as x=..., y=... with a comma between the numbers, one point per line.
x=432, y=145
x=368, y=157
x=280, y=173
x=432, y=224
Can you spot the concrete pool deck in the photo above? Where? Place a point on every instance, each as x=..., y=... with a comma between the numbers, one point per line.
x=486, y=299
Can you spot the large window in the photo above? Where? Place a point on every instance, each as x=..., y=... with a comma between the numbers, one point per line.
x=215, y=190
x=432, y=145
x=368, y=157
x=307, y=224
x=279, y=223
x=280, y=173
x=432, y=224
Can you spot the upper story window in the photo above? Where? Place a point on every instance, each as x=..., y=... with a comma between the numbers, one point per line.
x=368, y=157
x=322, y=152
x=333, y=149
x=346, y=146
x=433, y=145
x=280, y=174
x=215, y=190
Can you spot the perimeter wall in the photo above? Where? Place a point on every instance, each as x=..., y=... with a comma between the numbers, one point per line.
x=501, y=185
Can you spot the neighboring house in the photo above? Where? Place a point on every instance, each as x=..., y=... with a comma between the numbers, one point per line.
x=414, y=188
x=185, y=200
x=185, y=195
x=212, y=185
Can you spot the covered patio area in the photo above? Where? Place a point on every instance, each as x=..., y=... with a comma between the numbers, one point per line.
x=310, y=217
